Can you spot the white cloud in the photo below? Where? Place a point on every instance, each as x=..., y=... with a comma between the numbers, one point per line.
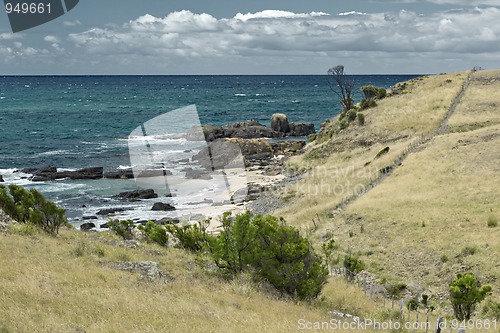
x=273, y=14
x=72, y=23
x=187, y=34
x=51, y=39
x=9, y=36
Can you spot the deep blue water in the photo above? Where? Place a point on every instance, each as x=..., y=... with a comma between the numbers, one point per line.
x=82, y=121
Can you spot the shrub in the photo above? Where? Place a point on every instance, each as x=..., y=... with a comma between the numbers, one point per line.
x=271, y=249
x=32, y=207
x=367, y=103
x=122, y=228
x=351, y=115
x=343, y=124
x=361, y=118
x=492, y=221
x=465, y=294
x=469, y=250
x=155, y=233
x=352, y=266
x=412, y=304
x=190, y=237
x=492, y=309
x=444, y=258
x=372, y=92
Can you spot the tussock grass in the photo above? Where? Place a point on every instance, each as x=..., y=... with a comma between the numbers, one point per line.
x=480, y=106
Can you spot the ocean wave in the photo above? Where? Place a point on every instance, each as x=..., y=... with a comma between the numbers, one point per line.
x=172, y=138
x=240, y=95
x=55, y=152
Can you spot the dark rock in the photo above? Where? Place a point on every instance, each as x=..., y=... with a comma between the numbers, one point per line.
x=51, y=173
x=105, y=225
x=279, y=123
x=167, y=220
x=89, y=218
x=1, y=179
x=162, y=206
x=120, y=174
x=137, y=195
x=184, y=160
x=197, y=174
x=87, y=226
x=301, y=129
x=110, y=211
x=154, y=173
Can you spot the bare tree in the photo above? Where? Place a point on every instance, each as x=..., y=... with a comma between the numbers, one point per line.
x=342, y=85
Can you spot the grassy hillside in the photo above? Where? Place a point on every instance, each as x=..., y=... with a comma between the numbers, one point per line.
x=427, y=219
x=427, y=216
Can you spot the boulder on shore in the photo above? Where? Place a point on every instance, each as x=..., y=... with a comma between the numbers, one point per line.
x=160, y=206
x=109, y=211
x=87, y=226
x=1, y=179
x=120, y=174
x=137, y=195
x=279, y=123
x=51, y=173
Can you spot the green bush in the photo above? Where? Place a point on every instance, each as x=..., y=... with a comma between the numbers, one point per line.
x=351, y=115
x=32, y=207
x=122, y=228
x=352, y=266
x=469, y=250
x=367, y=104
x=155, y=233
x=191, y=237
x=361, y=118
x=272, y=250
x=465, y=293
x=343, y=124
x=372, y=92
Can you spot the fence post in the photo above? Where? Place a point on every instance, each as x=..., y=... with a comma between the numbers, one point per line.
x=438, y=325
x=401, y=310
x=371, y=292
x=392, y=306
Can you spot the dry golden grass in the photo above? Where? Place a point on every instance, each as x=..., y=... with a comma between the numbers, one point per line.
x=47, y=287
x=417, y=225
x=437, y=203
x=63, y=285
x=481, y=104
x=396, y=122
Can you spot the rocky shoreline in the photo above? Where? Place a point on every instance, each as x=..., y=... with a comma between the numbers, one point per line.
x=263, y=160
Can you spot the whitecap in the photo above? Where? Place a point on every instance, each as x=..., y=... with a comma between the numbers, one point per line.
x=240, y=95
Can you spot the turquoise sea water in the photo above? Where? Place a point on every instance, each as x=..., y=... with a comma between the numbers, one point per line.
x=82, y=121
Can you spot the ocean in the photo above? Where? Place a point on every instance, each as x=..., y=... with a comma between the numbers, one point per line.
x=73, y=122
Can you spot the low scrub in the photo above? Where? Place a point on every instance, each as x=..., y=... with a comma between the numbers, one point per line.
x=31, y=207
x=262, y=245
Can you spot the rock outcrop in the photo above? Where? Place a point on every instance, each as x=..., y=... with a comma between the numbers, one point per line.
x=137, y=195
x=251, y=129
x=120, y=174
x=148, y=270
x=279, y=123
x=160, y=206
x=1, y=179
x=51, y=173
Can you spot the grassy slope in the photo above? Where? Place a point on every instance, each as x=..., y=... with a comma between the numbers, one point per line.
x=431, y=207
x=63, y=285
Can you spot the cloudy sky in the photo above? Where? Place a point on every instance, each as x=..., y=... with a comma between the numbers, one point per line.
x=258, y=37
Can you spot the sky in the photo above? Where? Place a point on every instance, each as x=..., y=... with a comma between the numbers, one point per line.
x=257, y=37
